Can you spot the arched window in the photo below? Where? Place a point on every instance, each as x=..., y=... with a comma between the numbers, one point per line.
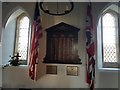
x=108, y=41
x=109, y=33
x=22, y=38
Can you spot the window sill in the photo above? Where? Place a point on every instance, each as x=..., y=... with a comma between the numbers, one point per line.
x=23, y=65
x=108, y=69
x=19, y=66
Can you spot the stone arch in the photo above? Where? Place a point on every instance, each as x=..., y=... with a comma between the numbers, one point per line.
x=13, y=14
x=112, y=6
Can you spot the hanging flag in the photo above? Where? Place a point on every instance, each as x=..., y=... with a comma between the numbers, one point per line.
x=36, y=33
x=90, y=49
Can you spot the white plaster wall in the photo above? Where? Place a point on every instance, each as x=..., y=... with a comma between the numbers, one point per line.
x=0, y=66
x=0, y=19
x=18, y=76
x=20, y=79
x=8, y=35
x=119, y=49
x=0, y=45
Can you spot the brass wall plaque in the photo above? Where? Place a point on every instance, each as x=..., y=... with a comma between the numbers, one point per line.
x=51, y=69
x=72, y=70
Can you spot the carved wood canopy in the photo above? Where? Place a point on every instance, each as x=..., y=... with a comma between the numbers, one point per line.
x=62, y=44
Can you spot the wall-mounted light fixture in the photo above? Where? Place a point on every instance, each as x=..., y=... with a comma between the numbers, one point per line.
x=58, y=5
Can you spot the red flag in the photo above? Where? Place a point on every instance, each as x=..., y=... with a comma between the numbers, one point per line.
x=90, y=62
x=36, y=33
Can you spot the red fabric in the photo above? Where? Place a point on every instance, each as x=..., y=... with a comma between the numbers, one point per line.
x=36, y=33
x=87, y=77
x=90, y=50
